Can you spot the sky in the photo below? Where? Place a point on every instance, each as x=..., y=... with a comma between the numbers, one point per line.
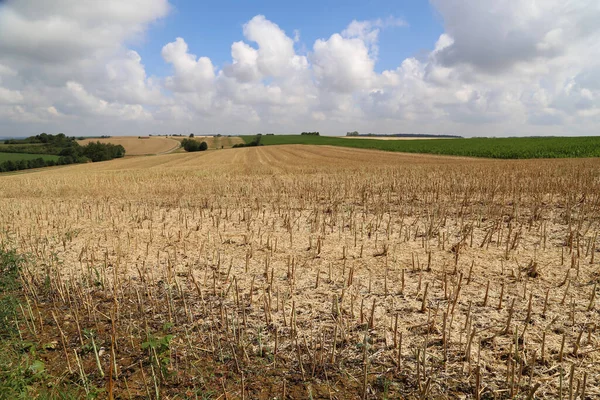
x=138, y=67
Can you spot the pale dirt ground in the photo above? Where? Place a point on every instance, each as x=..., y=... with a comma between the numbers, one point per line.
x=135, y=146
x=362, y=221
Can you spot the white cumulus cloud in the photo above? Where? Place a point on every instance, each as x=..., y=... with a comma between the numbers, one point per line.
x=500, y=67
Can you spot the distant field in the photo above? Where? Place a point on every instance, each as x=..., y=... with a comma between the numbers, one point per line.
x=30, y=148
x=507, y=148
x=322, y=271
x=216, y=142
x=135, y=146
x=24, y=156
x=394, y=138
x=8, y=146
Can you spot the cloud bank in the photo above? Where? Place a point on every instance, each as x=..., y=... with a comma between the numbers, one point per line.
x=500, y=68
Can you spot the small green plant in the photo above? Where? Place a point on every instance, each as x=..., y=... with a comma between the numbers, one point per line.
x=90, y=335
x=10, y=266
x=22, y=374
x=158, y=346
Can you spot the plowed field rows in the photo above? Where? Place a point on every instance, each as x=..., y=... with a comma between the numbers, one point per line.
x=316, y=272
x=136, y=146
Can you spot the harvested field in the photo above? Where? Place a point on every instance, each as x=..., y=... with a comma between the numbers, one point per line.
x=302, y=271
x=139, y=146
x=217, y=142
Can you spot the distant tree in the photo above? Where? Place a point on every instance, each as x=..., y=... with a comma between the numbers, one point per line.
x=193, y=145
x=355, y=133
x=37, y=163
x=21, y=164
x=69, y=151
x=67, y=148
x=96, y=151
x=65, y=160
x=310, y=134
x=253, y=143
x=10, y=165
x=191, y=135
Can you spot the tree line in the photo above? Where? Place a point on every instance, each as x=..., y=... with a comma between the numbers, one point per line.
x=67, y=148
x=253, y=143
x=18, y=165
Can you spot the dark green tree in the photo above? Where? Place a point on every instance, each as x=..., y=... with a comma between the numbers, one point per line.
x=192, y=145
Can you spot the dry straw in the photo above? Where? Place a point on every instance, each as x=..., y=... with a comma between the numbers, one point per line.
x=312, y=271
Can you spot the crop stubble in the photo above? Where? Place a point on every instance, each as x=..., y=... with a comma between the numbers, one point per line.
x=138, y=146
x=279, y=264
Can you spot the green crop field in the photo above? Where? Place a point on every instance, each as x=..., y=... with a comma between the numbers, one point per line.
x=25, y=156
x=30, y=148
x=508, y=148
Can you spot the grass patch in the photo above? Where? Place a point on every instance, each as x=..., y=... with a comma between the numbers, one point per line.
x=506, y=148
x=25, y=156
x=34, y=146
x=23, y=374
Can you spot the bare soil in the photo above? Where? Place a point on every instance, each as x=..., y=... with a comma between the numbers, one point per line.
x=318, y=271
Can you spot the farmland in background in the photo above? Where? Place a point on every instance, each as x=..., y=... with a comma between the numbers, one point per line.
x=31, y=148
x=303, y=272
x=505, y=148
x=45, y=150
x=25, y=156
x=389, y=137
x=137, y=146
x=216, y=142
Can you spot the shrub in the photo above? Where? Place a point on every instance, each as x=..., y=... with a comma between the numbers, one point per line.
x=69, y=152
x=65, y=160
x=253, y=143
x=37, y=163
x=97, y=151
x=22, y=164
x=193, y=145
x=190, y=145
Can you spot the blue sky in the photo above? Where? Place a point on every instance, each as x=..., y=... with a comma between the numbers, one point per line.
x=210, y=30
x=474, y=68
